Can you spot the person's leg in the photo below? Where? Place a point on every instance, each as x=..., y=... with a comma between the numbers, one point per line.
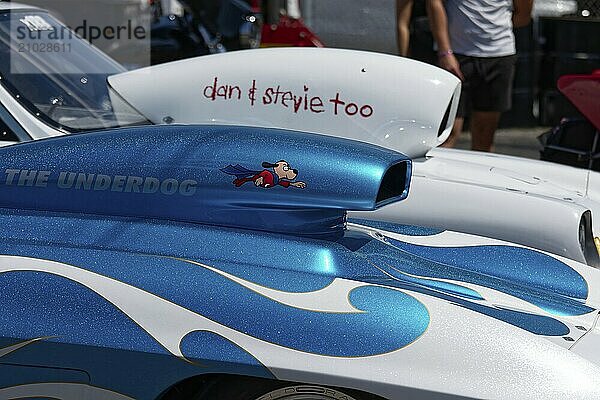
x=455, y=134
x=491, y=97
x=483, y=128
x=404, y=11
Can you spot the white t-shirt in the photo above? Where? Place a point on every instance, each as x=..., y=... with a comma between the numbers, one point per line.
x=481, y=28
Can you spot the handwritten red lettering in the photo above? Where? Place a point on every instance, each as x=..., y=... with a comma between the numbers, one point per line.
x=285, y=97
x=226, y=92
x=366, y=111
x=351, y=109
x=337, y=102
x=252, y=93
x=299, y=102
x=210, y=91
x=235, y=89
x=316, y=105
x=267, y=98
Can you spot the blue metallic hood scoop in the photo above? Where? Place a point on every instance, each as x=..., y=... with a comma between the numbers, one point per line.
x=251, y=178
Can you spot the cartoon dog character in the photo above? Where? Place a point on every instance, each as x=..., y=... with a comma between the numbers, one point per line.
x=274, y=174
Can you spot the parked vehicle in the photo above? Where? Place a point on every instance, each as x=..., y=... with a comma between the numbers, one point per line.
x=284, y=25
x=217, y=261
x=201, y=27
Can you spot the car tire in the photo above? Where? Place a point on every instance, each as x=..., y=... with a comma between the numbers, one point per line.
x=262, y=389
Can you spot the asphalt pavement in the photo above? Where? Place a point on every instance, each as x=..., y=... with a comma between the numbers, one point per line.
x=521, y=142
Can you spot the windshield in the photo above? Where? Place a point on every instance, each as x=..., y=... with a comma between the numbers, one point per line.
x=59, y=77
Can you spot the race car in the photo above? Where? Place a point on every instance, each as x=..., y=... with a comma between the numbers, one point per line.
x=389, y=101
x=218, y=262
x=156, y=263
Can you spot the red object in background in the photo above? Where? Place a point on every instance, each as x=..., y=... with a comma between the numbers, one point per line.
x=289, y=32
x=256, y=5
x=584, y=92
x=284, y=25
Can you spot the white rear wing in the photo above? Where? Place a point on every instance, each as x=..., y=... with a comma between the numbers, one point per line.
x=385, y=100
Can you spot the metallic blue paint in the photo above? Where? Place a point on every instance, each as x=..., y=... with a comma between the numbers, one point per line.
x=395, y=266
x=35, y=304
x=396, y=313
x=527, y=274
x=173, y=173
x=222, y=355
x=241, y=252
x=302, y=265
x=144, y=240
x=536, y=324
x=446, y=287
x=228, y=303
x=397, y=228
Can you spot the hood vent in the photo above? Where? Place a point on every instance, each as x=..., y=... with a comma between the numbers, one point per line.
x=251, y=178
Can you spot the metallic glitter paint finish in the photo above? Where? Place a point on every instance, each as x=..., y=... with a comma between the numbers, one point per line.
x=214, y=296
x=384, y=314
x=217, y=349
x=173, y=173
x=311, y=264
x=121, y=284
x=519, y=267
x=30, y=309
x=396, y=228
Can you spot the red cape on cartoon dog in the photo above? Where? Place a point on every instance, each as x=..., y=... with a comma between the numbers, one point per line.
x=281, y=174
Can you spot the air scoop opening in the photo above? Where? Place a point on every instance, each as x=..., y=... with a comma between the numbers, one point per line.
x=395, y=184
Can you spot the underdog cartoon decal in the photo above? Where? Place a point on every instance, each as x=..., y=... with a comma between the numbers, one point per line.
x=274, y=174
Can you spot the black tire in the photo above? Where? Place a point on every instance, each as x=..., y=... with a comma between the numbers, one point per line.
x=243, y=388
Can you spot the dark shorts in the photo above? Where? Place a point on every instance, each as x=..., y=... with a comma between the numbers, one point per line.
x=487, y=85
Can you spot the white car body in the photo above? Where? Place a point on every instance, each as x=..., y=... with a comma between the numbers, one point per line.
x=525, y=201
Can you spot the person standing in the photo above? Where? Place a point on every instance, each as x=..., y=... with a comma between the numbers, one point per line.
x=403, y=14
x=476, y=43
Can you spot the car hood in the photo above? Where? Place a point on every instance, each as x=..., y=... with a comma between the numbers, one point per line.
x=511, y=283
x=205, y=176
x=391, y=306
x=529, y=177
x=544, y=295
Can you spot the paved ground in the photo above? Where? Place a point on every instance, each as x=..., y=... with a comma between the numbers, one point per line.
x=520, y=142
